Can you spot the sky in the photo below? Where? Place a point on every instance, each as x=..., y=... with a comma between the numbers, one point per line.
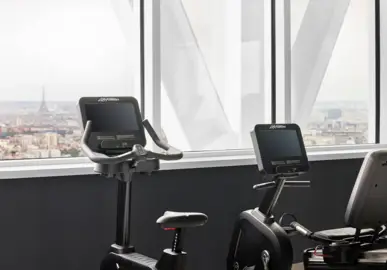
x=72, y=48
x=350, y=71
x=77, y=48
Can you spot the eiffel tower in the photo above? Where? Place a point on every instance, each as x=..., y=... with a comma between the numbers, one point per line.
x=43, y=106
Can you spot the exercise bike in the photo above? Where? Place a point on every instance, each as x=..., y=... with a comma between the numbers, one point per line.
x=363, y=244
x=114, y=139
x=258, y=241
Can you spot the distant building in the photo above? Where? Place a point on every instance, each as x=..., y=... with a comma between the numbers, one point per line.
x=334, y=114
x=43, y=106
x=19, y=121
x=55, y=153
x=44, y=153
x=26, y=141
x=51, y=140
x=3, y=131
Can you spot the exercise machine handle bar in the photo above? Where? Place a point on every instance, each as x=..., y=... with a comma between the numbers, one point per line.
x=307, y=233
x=286, y=184
x=138, y=151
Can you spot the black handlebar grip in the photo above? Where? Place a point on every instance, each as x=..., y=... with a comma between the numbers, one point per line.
x=172, y=153
x=155, y=137
x=301, y=229
x=264, y=185
x=167, y=156
x=307, y=233
x=298, y=184
x=86, y=133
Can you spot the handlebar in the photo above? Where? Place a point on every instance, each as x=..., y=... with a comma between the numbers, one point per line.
x=307, y=233
x=288, y=183
x=137, y=152
x=301, y=229
x=172, y=152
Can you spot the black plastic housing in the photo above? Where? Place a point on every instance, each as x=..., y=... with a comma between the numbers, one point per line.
x=285, y=152
x=117, y=140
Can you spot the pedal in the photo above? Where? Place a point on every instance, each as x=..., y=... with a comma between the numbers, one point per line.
x=139, y=260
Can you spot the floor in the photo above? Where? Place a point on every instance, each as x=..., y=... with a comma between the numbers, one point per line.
x=298, y=266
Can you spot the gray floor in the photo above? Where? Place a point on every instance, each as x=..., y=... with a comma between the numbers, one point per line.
x=298, y=266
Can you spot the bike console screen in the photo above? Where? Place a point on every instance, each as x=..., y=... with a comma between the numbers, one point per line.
x=115, y=117
x=116, y=123
x=279, y=149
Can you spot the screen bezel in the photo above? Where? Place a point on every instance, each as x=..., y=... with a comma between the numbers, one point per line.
x=139, y=134
x=265, y=165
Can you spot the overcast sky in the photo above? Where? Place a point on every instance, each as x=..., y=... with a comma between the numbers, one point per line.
x=351, y=71
x=77, y=48
x=73, y=47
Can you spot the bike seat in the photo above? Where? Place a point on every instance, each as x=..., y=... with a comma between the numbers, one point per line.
x=182, y=219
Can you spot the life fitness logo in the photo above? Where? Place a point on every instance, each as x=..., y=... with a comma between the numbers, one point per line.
x=102, y=99
x=277, y=126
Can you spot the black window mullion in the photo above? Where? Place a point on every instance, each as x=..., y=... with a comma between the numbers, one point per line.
x=273, y=64
x=377, y=71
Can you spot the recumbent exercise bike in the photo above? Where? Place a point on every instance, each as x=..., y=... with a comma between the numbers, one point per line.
x=114, y=139
x=361, y=245
x=259, y=242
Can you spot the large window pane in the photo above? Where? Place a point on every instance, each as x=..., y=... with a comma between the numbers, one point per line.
x=213, y=72
x=333, y=70
x=53, y=52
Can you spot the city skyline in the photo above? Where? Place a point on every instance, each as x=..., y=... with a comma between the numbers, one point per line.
x=44, y=129
x=91, y=47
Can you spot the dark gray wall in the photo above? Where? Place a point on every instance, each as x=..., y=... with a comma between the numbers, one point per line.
x=68, y=223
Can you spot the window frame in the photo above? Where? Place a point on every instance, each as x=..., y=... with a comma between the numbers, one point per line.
x=63, y=167
x=151, y=102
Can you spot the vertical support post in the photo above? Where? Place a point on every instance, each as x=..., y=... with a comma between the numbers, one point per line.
x=124, y=208
x=177, y=245
x=271, y=197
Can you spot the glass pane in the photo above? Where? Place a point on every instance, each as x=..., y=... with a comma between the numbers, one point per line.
x=333, y=70
x=53, y=52
x=213, y=72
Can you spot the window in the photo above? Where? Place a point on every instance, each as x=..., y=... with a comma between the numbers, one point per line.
x=53, y=52
x=214, y=73
x=333, y=70
x=207, y=69
x=216, y=80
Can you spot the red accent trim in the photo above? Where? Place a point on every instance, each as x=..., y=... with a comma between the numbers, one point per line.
x=320, y=254
x=169, y=229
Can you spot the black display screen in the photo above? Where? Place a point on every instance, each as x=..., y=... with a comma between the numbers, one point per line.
x=112, y=117
x=279, y=144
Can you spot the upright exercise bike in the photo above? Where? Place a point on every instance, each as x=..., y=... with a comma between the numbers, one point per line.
x=259, y=242
x=114, y=139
